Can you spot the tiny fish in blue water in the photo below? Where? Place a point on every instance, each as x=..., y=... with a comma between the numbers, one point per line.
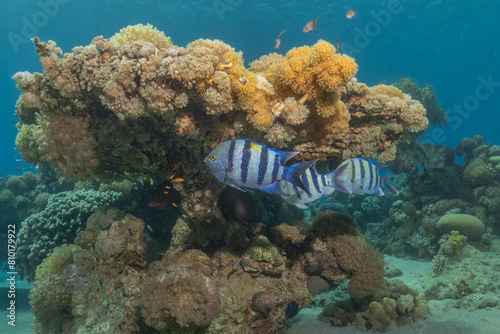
x=245, y=163
x=362, y=177
x=235, y=262
x=105, y=248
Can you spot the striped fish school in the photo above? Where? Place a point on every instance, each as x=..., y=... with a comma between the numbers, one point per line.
x=361, y=177
x=245, y=163
x=319, y=186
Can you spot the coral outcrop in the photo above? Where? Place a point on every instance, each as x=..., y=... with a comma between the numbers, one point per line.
x=59, y=223
x=467, y=225
x=167, y=97
x=192, y=290
x=394, y=303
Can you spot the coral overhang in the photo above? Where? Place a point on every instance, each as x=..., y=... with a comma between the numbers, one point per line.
x=133, y=102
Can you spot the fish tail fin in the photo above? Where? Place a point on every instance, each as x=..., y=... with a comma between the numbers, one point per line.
x=295, y=171
x=388, y=186
x=338, y=179
x=314, y=23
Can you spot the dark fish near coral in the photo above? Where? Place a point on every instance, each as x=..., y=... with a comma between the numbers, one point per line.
x=245, y=163
x=239, y=205
x=292, y=310
x=362, y=177
x=319, y=186
x=163, y=196
x=310, y=26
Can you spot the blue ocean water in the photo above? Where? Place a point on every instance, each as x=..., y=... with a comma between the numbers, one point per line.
x=452, y=45
x=449, y=44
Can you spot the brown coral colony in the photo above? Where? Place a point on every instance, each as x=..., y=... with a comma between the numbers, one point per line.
x=308, y=96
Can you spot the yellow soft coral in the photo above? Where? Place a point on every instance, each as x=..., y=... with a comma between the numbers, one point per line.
x=57, y=260
x=332, y=70
x=311, y=71
x=146, y=33
x=390, y=91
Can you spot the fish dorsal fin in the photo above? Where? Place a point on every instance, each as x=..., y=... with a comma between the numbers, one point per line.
x=296, y=171
x=285, y=156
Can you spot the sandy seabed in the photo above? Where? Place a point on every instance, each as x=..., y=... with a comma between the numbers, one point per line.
x=442, y=317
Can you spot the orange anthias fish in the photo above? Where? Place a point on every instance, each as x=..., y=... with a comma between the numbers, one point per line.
x=277, y=42
x=163, y=196
x=310, y=26
x=350, y=13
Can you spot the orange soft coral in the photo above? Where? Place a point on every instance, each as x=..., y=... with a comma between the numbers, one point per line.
x=312, y=71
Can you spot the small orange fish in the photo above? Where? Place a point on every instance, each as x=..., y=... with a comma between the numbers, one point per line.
x=162, y=153
x=184, y=216
x=111, y=288
x=178, y=180
x=144, y=156
x=176, y=166
x=310, y=26
x=350, y=13
x=277, y=42
x=167, y=187
x=174, y=204
x=172, y=176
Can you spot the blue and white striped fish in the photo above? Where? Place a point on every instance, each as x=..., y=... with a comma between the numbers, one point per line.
x=361, y=177
x=319, y=186
x=245, y=163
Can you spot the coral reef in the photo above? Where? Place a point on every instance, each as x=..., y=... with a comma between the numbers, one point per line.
x=393, y=303
x=188, y=289
x=463, y=274
x=441, y=188
x=174, y=104
x=57, y=224
x=167, y=97
x=467, y=225
x=426, y=96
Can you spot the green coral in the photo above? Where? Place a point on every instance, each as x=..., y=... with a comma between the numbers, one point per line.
x=426, y=96
x=58, y=223
x=262, y=249
x=58, y=259
x=457, y=241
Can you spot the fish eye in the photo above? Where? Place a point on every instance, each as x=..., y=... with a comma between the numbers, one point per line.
x=212, y=157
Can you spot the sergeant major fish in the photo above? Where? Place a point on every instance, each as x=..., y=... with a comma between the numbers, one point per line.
x=245, y=163
x=361, y=177
x=319, y=185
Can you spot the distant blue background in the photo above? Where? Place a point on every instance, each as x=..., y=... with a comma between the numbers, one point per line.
x=446, y=43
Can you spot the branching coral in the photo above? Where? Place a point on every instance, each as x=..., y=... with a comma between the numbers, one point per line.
x=57, y=224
